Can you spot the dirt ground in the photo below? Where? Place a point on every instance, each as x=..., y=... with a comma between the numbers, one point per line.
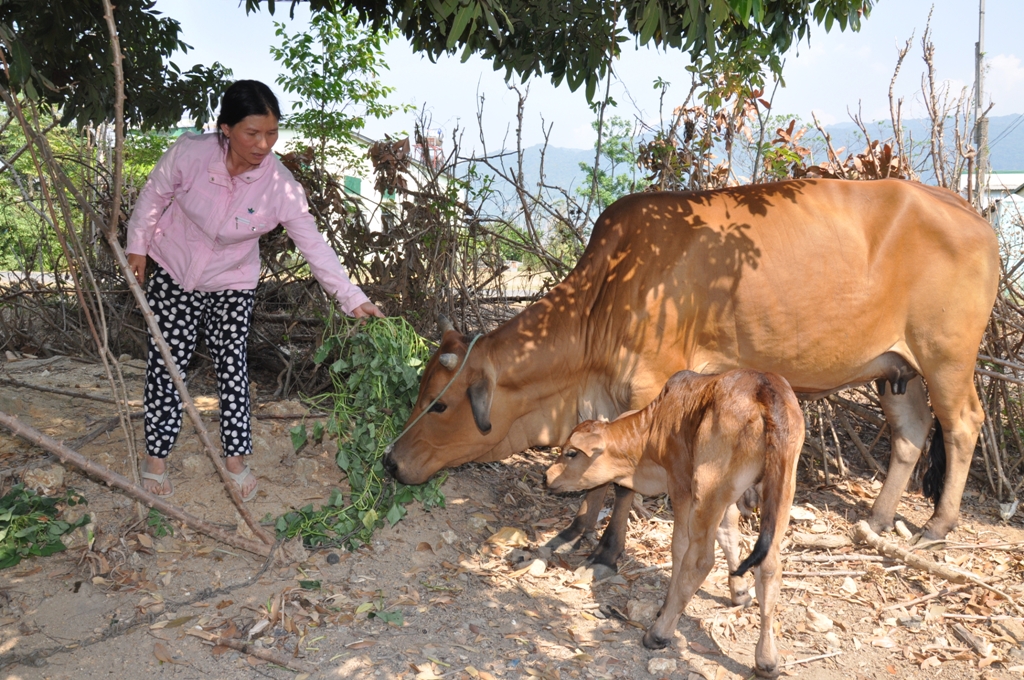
x=140, y=605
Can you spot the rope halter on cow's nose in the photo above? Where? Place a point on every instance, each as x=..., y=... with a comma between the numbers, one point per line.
x=391, y=445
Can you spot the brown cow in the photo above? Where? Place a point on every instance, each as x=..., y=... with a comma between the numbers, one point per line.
x=705, y=440
x=825, y=282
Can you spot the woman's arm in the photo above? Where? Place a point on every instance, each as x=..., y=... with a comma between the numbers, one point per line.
x=324, y=264
x=154, y=198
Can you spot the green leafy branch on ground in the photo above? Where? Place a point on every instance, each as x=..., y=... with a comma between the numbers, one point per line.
x=375, y=369
x=29, y=523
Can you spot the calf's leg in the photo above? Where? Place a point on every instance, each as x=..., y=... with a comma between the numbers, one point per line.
x=769, y=581
x=728, y=536
x=693, y=556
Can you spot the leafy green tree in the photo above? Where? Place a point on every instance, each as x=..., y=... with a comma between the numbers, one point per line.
x=335, y=70
x=578, y=41
x=59, y=53
x=617, y=171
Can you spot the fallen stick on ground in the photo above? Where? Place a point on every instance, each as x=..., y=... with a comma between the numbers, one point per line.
x=979, y=617
x=269, y=655
x=984, y=546
x=76, y=459
x=924, y=598
x=822, y=574
x=864, y=534
x=852, y=557
x=809, y=659
x=65, y=393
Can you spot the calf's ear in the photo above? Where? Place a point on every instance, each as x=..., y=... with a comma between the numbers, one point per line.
x=480, y=394
x=591, y=443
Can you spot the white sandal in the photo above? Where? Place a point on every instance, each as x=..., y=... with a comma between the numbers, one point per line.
x=160, y=479
x=239, y=477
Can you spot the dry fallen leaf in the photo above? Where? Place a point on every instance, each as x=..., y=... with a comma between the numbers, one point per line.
x=509, y=536
x=144, y=540
x=162, y=654
x=178, y=622
x=360, y=644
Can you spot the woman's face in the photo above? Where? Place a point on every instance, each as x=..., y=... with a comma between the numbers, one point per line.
x=251, y=138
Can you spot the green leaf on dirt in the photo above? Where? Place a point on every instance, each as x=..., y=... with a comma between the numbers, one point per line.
x=299, y=436
x=29, y=523
x=390, y=618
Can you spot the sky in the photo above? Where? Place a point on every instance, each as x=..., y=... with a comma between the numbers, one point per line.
x=834, y=74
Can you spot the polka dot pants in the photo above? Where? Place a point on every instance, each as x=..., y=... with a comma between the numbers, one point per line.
x=224, y=316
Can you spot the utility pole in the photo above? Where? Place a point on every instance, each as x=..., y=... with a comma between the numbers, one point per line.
x=980, y=119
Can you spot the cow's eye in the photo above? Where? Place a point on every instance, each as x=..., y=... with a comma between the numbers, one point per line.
x=439, y=408
x=571, y=453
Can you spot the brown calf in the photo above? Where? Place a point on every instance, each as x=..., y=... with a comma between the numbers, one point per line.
x=705, y=440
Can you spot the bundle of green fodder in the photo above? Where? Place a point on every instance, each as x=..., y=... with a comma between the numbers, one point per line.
x=375, y=367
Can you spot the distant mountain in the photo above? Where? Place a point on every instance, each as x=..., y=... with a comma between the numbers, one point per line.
x=1006, y=143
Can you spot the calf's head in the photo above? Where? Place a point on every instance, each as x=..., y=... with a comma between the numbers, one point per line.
x=587, y=461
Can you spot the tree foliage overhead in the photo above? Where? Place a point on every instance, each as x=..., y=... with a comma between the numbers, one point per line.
x=578, y=41
x=59, y=52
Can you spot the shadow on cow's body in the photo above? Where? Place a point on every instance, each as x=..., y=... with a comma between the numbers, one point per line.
x=825, y=282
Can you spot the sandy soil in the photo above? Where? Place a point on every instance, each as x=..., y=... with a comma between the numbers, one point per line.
x=135, y=605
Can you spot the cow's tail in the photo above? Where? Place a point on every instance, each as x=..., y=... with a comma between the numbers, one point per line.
x=777, y=482
x=935, y=477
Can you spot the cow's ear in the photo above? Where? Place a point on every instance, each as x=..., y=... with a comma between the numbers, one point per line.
x=480, y=394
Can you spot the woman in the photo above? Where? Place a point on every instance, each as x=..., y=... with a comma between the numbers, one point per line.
x=199, y=217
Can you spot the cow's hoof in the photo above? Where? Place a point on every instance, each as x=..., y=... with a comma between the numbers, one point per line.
x=932, y=534
x=922, y=542
x=880, y=526
x=563, y=546
x=652, y=641
x=769, y=672
x=602, y=571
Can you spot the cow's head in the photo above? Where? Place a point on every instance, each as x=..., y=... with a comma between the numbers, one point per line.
x=460, y=426
x=585, y=462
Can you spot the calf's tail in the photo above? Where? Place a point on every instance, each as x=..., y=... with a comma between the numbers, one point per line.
x=935, y=477
x=777, y=482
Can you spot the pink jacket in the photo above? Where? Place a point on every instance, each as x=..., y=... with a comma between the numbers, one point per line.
x=203, y=226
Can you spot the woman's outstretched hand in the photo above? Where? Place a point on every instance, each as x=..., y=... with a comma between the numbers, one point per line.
x=137, y=263
x=367, y=309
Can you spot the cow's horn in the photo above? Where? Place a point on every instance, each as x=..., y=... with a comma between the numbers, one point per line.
x=448, y=360
x=443, y=324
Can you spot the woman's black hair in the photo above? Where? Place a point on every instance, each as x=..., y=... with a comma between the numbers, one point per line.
x=246, y=98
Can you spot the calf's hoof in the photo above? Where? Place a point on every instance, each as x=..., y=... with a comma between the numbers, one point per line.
x=652, y=641
x=766, y=672
x=742, y=598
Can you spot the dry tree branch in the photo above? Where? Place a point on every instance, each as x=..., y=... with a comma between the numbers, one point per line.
x=864, y=534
